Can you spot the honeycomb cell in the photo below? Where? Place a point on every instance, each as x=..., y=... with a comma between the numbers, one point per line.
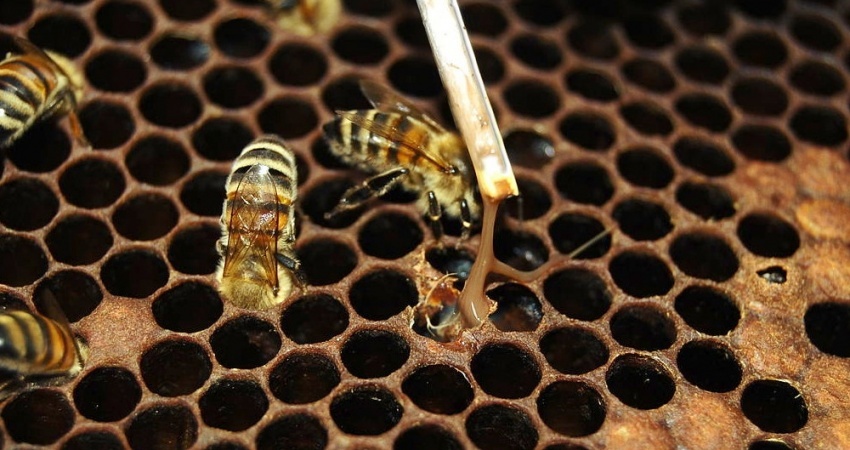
x=41, y=149
x=360, y=45
x=584, y=182
x=536, y=51
x=591, y=85
x=188, y=307
x=77, y=293
x=815, y=32
x=649, y=74
x=170, y=105
x=773, y=274
x=645, y=167
x=411, y=31
x=63, y=33
x=573, y=232
x=643, y=327
x=14, y=12
x=759, y=96
x=179, y=51
x=303, y=378
x=439, y=389
x=416, y=76
x=646, y=118
x=702, y=19
x=245, y=342
x=27, y=204
x=232, y=87
x=640, y=381
x=709, y=365
x=762, y=10
x=528, y=148
x=314, y=318
x=390, y=236
x=226, y=446
x=39, y=417
x=171, y=423
x=241, y=38
x=505, y=371
x=707, y=310
x=774, y=406
x=107, y=394
x=518, y=308
x=157, y=160
x=124, y=20
x=761, y=143
x=501, y=427
x=593, y=39
x=22, y=261
x=203, y=193
x=490, y=64
x=326, y=261
x=573, y=350
x=322, y=198
x=366, y=411
x=115, y=70
x=484, y=19
x=707, y=200
x=294, y=431
x=828, y=327
x=344, y=94
x=703, y=255
x=374, y=8
x=374, y=353
x=703, y=156
x=187, y=10
x=294, y=64
x=382, y=294
x=12, y=302
x=107, y=125
x=704, y=111
x=577, y=293
x=289, y=117
x=820, y=125
x=544, y=13
x=192, y=250
x=769, y=445
x=145, y=217
x=816, y=78
x=760, y=49
x=93, y=440
x=702, y=64
x=767, y=235
x=648, y=31
x=221, y=138
x=134, y=273
x=233, y=405
x=640, y=274
x=590, y=131
x=425, y=437
x=532, y=202
x=571, y=408
x=175, y=367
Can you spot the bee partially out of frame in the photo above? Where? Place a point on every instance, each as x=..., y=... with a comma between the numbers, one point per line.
x=306, y=17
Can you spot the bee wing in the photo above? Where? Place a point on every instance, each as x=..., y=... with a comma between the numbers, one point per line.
x=31, y=49
x=48, y=305
x=254, y=222
x=384, y=99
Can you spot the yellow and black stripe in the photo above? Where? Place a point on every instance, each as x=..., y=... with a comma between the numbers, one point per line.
x=27, y=83
x=34, y=344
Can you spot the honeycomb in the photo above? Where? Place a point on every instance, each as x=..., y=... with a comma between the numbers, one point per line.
x=710, y=137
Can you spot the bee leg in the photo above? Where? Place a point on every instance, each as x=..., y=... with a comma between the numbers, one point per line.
x=434, y=213
x=74, y=121
x=294, y=266
x=375, y=186
x=465, y=220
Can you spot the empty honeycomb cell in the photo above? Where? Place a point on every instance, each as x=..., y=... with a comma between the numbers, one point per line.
x=649, y=74
x=39, y=417
x=241, y=37
x=506, y=371
x=314, y=318
x=501, y=427
x=134, y=273
x=294, y=431
x=518, y=308
x=577, y=293
x=643, y=327
x=709, y=365
x=703, y=255
x=573, y=350
x=188, y=307
x=221, y=138
x=175, y=367
x=536, y=52
x=245, y=342
x=360, y=45
x=232, y=87
x=374, y=353
x=170, y=104
x=288, y=117
x=572, y=231
x=762, y=10
x=303, y=378
x=815, y=32
x=77, y=293
x=828, y=327
x=760, y=49
x=14, y=12
x=645, y=167
x=701, y=19
x=584, y=182
x=571, y=408
x=592, y=85
x=640, y=274
x=27, y=204
x=519, y=249
x=294, y=64
x=382, y=294
x=490, y=64
x=64, y=33
x=93, y=440
x=703, y=156
x=416, y=76
x=322, y=198
x=326, y=261
x=344, y=94
x=773, y=274
x=528, y=148
x=172, y=425
x=704, y=111
x=106, y=124
x=759, y=96
x=588, y=130
x=42, y=149
x=707, y=310
x=145, y=217
x=768, y=235
x=367, y=410
x=820, y=125
x=566, y=447
x=593, y=39
x=203, y=193
x=192, y=249
x=439, y=389
x=225, y=446
x=12, y=302
x=707, y=200
x=107, y=394
x=124, y=20
x=372, y=8
x=187, y=10
x=179, y=52
x=425, y=437
x=769, y=445
x=157, y=160
x=640, y=381
x=761, y=143
x=411, y=31
x=816, y=78
x=390, y=236
x=542, y=13
x=646, y=118
x=648, y=31
x=22, y=261
x=484, y=19
x=115, y=70
x=233, y=405
x=774, y=406
x=79, y=240
x=702, y=64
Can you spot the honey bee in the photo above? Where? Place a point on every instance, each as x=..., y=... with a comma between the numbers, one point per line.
x=306, y=17
x=406, y=147
x=36, y=85
x=258, y=265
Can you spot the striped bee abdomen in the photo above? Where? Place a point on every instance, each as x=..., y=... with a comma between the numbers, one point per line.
x=25, y=85
x=33, y=344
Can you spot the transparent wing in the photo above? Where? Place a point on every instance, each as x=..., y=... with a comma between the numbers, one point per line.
x=384, y=99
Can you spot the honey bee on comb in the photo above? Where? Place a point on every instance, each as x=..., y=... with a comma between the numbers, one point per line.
x=405, y=147
x=306, y=17
x=259, y=267
x=37, y=85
